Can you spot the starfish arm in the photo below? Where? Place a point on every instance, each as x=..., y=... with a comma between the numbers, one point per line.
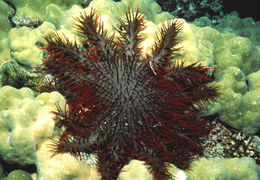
x=156, y=157
x=91, y=27
x=130, y=34
x=62, y=49
x=111, y=160
x=165, y=45
x=75, y=146
x=202, y=95
x=62, y=64
x=194, y=79
x=193, y=75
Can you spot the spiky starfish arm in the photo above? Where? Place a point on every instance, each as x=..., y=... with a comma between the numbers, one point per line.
x=195, y=79
x=130, y=35
x=165, y=45
x=155, y=154
x=119, y=155
x=90, y=26
x=65, y=63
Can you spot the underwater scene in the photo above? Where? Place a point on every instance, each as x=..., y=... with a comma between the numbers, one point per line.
x=129, y=90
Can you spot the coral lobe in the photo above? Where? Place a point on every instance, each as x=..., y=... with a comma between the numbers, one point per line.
x=123, y=106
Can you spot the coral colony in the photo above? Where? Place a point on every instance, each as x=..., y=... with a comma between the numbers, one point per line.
x=122, y=106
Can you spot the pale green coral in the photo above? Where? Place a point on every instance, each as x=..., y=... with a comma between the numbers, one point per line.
x=37, y=9
x=48, y=10
x=18, y=175
x=26, y=126
x=227, y=49
x=216, y=169
x=24, y=43
x=62, y=166
x=253, y=81
x=246, y=27
x=135, y=170
x=149, y=7
x=25, y=122
x=235, y=59
x=4, y=28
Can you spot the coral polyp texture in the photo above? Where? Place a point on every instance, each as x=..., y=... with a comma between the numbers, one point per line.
x=122, y=105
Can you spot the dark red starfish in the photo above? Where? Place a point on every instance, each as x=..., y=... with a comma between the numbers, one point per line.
x=122, y=106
